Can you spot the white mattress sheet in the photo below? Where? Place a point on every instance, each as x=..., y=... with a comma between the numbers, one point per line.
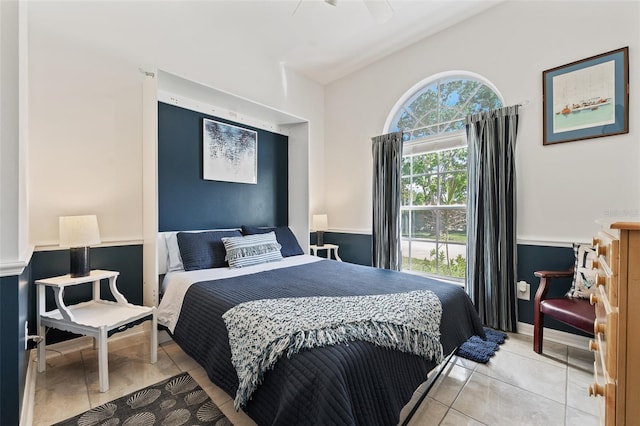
x=176, y=284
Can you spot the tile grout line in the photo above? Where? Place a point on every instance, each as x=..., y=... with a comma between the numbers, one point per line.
x=566, y=389
x=466, y=382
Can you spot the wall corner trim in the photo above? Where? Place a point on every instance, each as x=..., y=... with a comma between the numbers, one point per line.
x=16, y=267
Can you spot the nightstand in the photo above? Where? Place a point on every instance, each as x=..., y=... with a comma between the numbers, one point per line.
x=330, y=248
x=95, y=318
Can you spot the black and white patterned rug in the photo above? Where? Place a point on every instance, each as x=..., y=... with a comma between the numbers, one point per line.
x=176, y=401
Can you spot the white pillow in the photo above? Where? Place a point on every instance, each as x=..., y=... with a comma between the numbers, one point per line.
x=252, y=249
x=174, y=260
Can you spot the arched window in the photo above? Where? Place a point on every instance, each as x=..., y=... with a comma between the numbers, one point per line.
x=434, y=171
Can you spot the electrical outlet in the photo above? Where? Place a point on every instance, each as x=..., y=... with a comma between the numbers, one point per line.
x=523, y=289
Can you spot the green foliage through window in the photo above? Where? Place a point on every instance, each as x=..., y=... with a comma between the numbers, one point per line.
x=442, y=106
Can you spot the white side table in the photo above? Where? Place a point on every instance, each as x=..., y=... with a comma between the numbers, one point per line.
x=94, y=318
x=328, y=247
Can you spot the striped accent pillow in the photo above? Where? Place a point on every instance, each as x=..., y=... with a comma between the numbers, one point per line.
x=252, y=249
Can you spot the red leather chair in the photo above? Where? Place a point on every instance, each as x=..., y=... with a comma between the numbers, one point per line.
x=576, y=312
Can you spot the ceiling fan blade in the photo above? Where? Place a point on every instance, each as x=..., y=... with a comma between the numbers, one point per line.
x=380, y=10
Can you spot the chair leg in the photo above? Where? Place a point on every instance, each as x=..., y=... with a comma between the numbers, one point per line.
x=538, y=323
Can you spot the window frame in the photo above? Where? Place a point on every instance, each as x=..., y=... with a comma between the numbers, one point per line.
x=431, y=144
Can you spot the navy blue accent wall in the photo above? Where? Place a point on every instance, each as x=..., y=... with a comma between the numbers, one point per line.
x=9, y=388
x=356, y=248
x=187, y=202
x=14, y=299
x=533, y=258
x=125, y=259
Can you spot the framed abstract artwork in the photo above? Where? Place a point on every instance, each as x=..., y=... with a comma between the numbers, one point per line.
x=587, y=98
x=229, y=153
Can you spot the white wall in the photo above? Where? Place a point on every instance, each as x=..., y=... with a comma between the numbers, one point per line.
x=8, y=131
x=86, y=103
x=562, y=188
x=14, y=248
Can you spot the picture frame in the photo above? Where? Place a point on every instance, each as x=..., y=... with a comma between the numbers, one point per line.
x=229, y=153
x=586, y=99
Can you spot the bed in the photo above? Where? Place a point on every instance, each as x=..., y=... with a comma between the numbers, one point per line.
x=351, y=382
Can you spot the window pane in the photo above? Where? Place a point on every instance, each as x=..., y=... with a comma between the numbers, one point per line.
x=406, y=166
x=452, y=260
x=483, y=100
x=455, y=126
x=453, y=235
x=405, y=121
x=424, y=107
x=421, y=258
x=453, y=160
x=405, y=225
x=423, y=224
x=425, y=191
x=453, y=188
x=406, y=192
x=424, y=132
x=425, y=163
x=406, y=253
x=453, y=226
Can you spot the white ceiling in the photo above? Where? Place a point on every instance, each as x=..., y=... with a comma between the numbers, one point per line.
x=331, y=42
x=321, y=41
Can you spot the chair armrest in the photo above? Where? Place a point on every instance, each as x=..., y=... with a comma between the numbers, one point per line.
x=554, y=274
x=545, y=282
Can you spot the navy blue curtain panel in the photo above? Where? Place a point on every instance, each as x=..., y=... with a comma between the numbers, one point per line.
x=387, y=170
x=491, y=216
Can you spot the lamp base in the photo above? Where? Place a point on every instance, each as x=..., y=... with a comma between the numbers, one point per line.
x=319, y=238
x=80, y=262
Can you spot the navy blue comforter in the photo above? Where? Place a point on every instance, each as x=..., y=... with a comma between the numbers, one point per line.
x=348, y=384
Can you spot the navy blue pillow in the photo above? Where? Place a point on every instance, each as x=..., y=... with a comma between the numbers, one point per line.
x=203, y=250
x=285, y=237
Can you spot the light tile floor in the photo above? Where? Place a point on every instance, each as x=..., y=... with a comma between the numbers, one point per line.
x=517, y=387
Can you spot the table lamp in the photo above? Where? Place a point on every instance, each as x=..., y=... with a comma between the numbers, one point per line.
x=320, y=224
x=78, y=233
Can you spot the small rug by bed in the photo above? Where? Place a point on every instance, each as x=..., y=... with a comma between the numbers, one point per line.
x=175, y=401
x=479, y=350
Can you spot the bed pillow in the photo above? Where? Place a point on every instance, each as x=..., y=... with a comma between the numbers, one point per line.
x=203, y=250
x=285, y=237
x=174, y=261
x=584, y=277
x=252, y=249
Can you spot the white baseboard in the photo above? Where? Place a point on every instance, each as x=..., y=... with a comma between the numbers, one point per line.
x=63, y=348
x=569, y=339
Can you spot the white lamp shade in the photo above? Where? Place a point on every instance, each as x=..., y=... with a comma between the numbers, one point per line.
x=79, y=231
x=320, y=222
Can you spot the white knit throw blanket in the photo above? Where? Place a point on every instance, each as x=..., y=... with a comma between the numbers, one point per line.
x=261, y=331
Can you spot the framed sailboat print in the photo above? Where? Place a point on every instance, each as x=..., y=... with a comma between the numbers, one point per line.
x=587, y=98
